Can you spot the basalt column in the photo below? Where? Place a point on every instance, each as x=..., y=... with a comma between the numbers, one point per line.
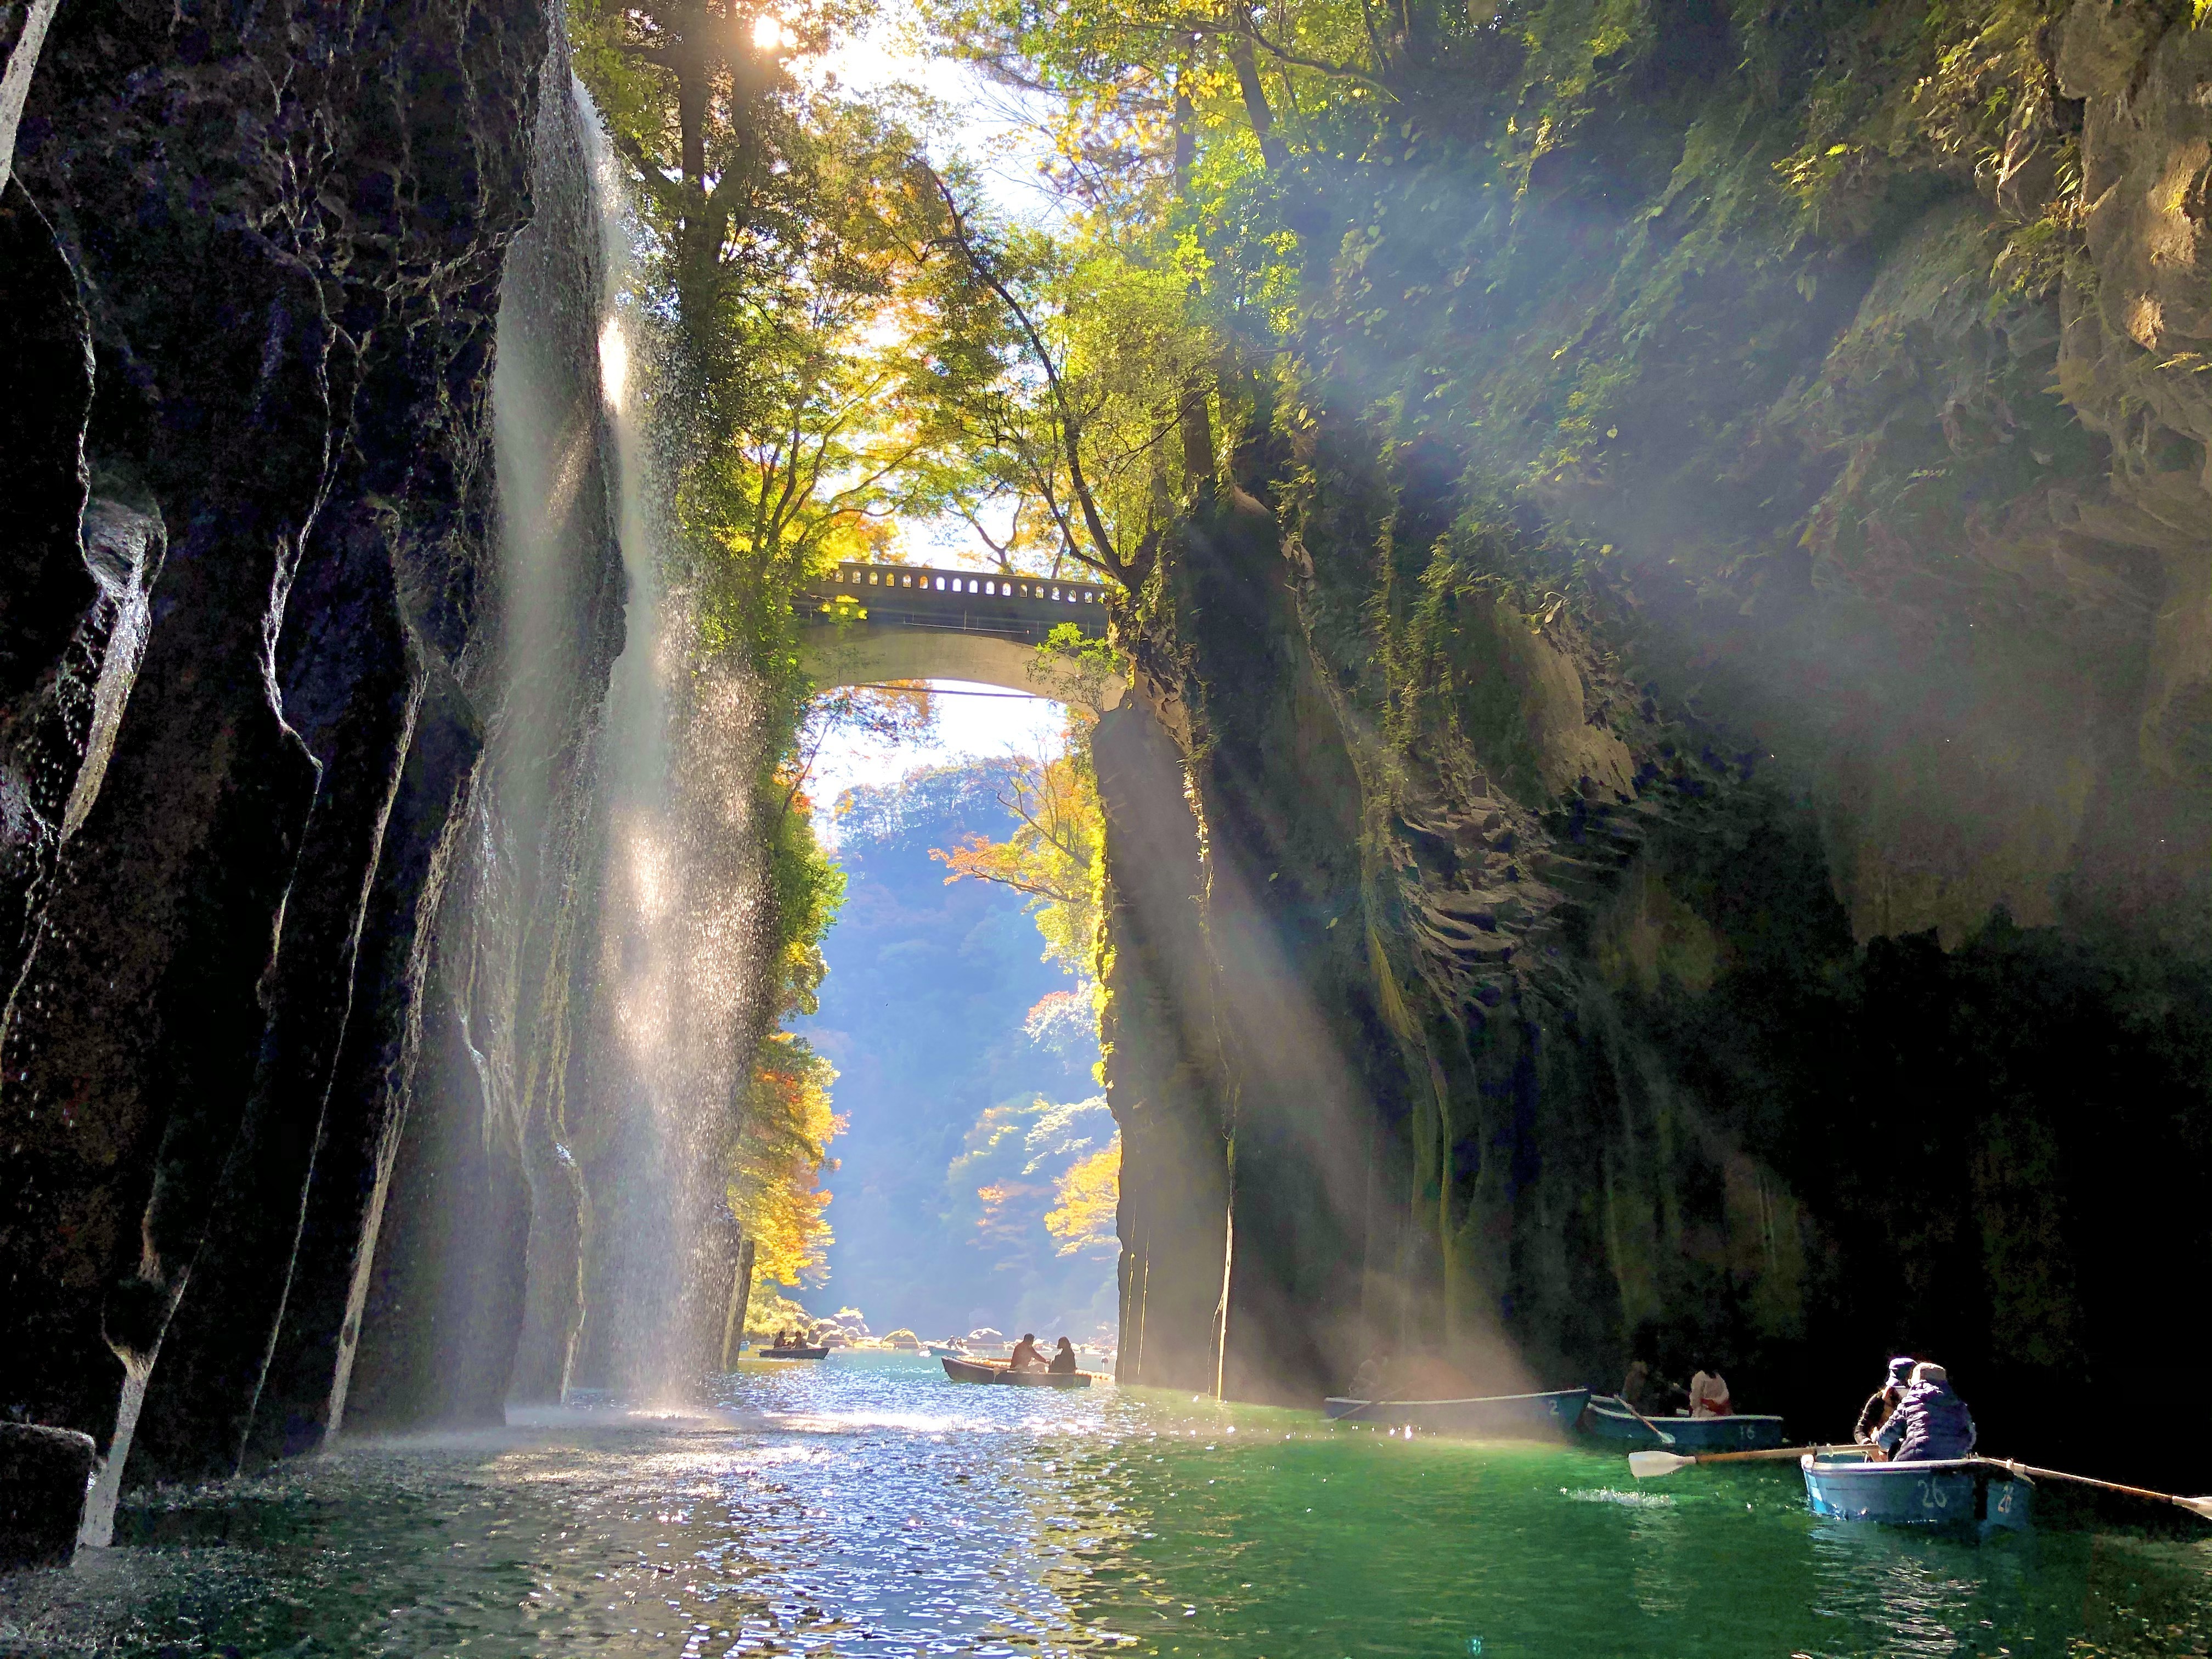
x=284, y=239
x=1160, y=1058
x=1297, y=1024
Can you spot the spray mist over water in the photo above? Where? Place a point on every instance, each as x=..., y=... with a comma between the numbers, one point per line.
x=683, y=982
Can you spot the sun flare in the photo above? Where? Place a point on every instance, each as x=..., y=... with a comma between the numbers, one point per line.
x=614, y=363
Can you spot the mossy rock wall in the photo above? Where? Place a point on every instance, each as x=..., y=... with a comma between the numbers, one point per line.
x=1700, y=749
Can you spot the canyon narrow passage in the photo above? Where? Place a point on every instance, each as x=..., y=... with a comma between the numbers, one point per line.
x=1029, y=825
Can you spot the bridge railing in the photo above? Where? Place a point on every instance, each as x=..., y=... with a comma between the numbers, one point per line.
x=925, y=584
x=961, y=601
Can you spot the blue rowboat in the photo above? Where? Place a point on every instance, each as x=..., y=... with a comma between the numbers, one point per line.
x=1505, y=1416
x=1969, y=1494
x=1608, y=1419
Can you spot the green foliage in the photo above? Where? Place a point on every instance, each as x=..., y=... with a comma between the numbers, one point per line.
x=808, y=886
x=1452, y=673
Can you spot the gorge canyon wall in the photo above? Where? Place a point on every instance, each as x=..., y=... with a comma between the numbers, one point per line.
x=1691, y=693
x=304, y=669
x=1665, y=802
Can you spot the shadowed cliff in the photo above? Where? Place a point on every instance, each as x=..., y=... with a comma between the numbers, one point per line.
x=1685, y=695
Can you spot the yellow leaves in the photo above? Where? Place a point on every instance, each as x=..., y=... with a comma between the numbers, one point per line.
x=1053, y=856
x=775, y=1188
x=1090, y=1197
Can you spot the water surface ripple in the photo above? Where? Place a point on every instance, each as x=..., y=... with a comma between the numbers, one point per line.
x=867, y=1506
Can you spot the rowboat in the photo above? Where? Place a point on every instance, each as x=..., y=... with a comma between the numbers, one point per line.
x=1610, y=1420
x=1967, y=1493
x=991, y=1370
x=1507, y=1416
x=791, y=1353
x=940, y=1350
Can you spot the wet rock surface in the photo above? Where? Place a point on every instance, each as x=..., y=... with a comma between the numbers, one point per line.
x=258, y=261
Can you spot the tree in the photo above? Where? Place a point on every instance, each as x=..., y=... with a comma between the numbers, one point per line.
x=775, y=1188
x=1052, y=858
x=1090, y=1199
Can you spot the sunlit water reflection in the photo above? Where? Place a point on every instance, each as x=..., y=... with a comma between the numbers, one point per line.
x=868, y=1506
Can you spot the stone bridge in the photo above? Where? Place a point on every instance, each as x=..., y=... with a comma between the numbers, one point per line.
x=868, y=623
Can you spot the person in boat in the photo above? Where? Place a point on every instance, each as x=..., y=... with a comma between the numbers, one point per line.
x=1063, y=1358
x=1026, y=1356
x=1709, y=1395
x=1931, y=1423
x=1371, y=1380
x=782, y=1341
x=1643, y=1390
x=1881, y=1404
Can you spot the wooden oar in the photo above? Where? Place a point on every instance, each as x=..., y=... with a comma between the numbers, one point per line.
x=1665, y=1438
x=2198, y=1506
x=1649, y=1465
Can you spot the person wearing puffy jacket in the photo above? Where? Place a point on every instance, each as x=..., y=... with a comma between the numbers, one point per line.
x=1883, y=1401
x=1931, y=1423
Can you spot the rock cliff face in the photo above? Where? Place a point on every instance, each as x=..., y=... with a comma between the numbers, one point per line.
x=259, y=734
x=1700, y=816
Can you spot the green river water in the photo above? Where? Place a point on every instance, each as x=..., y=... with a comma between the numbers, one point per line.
x=867, y=1507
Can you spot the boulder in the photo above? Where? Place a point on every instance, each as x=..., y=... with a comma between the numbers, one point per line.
x=44, y=1474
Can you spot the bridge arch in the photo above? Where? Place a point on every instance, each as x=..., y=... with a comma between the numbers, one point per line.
x=870, y=623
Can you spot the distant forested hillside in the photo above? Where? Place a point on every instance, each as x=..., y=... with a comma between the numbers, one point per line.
x=959, y=1123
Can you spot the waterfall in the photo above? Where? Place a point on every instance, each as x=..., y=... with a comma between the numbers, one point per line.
x=588, y=1025
x=682, y=936
x=478, y=1292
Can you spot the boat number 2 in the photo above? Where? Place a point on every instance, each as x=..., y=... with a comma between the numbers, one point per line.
x=1932, y=1495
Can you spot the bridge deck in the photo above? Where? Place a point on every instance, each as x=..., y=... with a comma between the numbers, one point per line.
x=1025, y=608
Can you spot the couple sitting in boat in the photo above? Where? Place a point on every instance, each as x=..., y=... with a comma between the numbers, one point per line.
x=1915, y=1417
x=1707, y=1393
x=1027, y=1358
x=789, y=1340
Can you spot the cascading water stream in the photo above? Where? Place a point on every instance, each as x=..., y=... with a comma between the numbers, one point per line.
x=680, y=941
x=498, y=1268
x=586, y=1025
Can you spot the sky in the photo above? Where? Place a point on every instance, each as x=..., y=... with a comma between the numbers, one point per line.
x=973, y=722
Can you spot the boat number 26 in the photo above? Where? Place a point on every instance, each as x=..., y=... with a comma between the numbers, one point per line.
x=1932, y=1495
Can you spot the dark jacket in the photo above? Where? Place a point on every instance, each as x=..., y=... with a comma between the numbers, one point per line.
x=1931, y=1423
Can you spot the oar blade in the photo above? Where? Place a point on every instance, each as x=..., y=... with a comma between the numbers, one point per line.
x=1648, y=1465
x=2196, y=1506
